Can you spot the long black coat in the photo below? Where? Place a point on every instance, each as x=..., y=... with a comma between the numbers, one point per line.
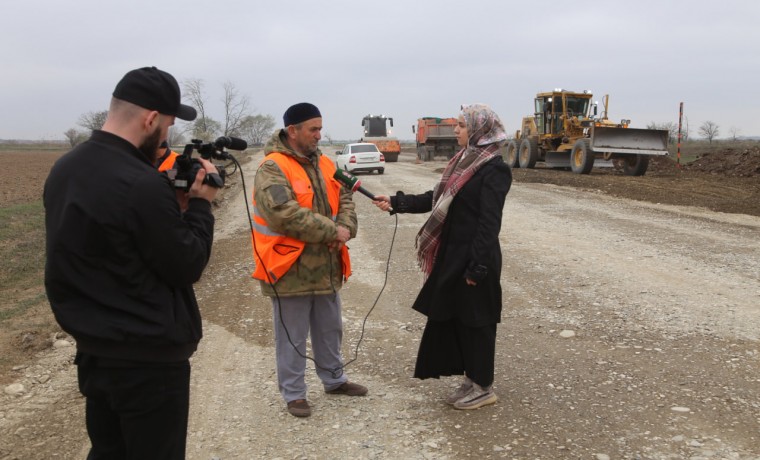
x=469, y=249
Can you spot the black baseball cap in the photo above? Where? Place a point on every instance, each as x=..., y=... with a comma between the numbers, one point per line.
x=154, y=89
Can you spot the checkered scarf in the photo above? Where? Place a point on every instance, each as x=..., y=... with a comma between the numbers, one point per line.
x=486, y=135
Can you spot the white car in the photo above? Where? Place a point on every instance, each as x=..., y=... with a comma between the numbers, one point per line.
x=360, y=157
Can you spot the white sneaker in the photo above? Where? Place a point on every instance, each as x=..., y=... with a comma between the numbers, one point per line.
x=477, y=397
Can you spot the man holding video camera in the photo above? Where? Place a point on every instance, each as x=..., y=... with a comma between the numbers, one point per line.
x=121, y=262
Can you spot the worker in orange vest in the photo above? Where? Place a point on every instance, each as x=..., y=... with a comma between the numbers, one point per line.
x=165, y=157
x=302, y=220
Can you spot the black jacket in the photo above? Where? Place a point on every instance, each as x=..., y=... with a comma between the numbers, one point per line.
x=121, y=256
x=469, y=249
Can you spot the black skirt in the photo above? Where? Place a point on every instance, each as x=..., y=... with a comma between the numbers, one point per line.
x=451, y=348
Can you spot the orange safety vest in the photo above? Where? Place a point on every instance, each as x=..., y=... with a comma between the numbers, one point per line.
x=167, y=160
x=279, y=252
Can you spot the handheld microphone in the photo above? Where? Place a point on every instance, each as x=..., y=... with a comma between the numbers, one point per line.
x=232, y=143
x=353, y=184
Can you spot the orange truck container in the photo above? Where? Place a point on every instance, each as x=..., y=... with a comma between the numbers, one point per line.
x=435, y=137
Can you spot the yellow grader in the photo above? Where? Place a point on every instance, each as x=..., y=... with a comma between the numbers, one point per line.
x=565, y=132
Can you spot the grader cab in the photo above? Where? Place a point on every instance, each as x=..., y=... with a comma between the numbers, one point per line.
x=566, y=131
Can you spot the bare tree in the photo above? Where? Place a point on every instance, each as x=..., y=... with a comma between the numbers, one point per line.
x=734, y=131
x=93, y=120
x=203, y=127
x=192, y=90
x=74, y=137
x=236, y=110
x=256, y=129
x=238, y=120
x=177, y=134
x=206, y=129
x=329, y=138
x=709, y=130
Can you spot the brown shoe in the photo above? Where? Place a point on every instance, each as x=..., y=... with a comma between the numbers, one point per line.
x=299, y=408
x=349, y=389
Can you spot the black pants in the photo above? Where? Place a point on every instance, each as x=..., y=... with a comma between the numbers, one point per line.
x=135, y=410
x=451, y=348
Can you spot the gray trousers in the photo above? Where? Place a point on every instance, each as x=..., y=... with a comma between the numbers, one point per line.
x=294, y=318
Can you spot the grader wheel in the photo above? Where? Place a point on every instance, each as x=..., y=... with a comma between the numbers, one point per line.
x=528, y=153
x=581, y=157
x=513, y=154
x=635, y=165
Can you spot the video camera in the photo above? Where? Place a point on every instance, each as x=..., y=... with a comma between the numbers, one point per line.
x=187, y=167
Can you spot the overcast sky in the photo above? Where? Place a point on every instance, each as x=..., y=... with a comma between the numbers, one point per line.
x=401, y=58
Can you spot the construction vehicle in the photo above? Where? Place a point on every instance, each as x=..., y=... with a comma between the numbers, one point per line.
x=376, y=132
x=435, y=136
x=565, y=132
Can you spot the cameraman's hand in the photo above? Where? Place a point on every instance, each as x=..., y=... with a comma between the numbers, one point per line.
x=182, y=199
x=199, y=189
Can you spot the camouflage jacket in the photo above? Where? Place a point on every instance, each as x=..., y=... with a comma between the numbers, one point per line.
x=317, y=270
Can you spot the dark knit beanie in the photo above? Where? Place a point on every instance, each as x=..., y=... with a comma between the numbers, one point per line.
x=299, y=113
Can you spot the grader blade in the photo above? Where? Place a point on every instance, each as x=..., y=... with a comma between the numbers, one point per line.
x=629, y=140
x=557, y=159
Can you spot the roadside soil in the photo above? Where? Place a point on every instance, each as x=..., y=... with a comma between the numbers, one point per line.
x=630, y=329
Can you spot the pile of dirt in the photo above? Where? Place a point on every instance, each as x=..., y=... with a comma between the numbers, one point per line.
x=728, y=162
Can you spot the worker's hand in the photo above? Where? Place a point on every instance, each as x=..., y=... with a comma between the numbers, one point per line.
x=383, y=202
x=343, y=234
x=470, y=282
x=199, y=189
x=334, y=246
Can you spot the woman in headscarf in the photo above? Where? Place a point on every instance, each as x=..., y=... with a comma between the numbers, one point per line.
x=459, y=253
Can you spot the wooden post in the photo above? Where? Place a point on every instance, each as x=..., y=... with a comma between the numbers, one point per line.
x=678, y=150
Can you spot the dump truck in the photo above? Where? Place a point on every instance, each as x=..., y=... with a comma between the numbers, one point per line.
x=565, y=131
x=376, y=132
x=435, y=137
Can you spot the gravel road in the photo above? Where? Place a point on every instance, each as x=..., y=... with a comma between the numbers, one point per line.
x=630, y=331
